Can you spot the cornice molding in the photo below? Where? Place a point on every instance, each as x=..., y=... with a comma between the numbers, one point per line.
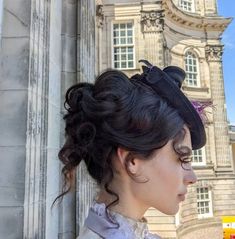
x=194, y=21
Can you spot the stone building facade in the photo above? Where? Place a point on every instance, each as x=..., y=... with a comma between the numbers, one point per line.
x=46, y=46
x=185, y=33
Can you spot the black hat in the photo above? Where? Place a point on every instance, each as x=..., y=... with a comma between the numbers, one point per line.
x=167, y=84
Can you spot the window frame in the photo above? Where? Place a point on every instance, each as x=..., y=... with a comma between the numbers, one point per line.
x=126, y=45
x=210, y=213
x=203, y=155
x=186, y=9
x=192, y=72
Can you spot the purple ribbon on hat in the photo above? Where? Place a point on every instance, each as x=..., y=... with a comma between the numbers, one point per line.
x=200, y=108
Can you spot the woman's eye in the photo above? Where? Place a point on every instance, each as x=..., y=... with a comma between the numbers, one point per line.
x=186, y=163
x=186, y=160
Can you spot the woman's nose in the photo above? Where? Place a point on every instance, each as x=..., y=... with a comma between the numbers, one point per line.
x=190, y=177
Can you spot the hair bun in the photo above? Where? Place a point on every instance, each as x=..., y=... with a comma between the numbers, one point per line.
x=86, y=134
x=75, y=95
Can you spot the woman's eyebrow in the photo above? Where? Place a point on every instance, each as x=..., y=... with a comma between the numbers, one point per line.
x=187, y=152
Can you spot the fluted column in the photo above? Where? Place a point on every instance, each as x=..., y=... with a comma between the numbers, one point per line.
x=67, y=216
x=214, y=58
x=43, y=121
x=99, y=29
x=86, y=59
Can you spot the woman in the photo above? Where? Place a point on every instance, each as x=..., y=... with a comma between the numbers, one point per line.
x=136, y=137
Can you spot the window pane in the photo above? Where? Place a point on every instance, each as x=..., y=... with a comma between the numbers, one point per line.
x=116, y=58
x=115, y=41
x=116, y=65
x=130, y=49
x=122, y=33
x=116, y=33
x=123, y=40
x=116, y=50
x=129, y=33
x=130, y=56
x=123, y=49
x=130, y=64
x=123, y=64
x=129, y=40
x=129, y=25
x=123, y=26
x=123, y=57
x=115, y=26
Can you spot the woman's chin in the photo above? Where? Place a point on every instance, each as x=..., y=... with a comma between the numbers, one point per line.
x=169, y=211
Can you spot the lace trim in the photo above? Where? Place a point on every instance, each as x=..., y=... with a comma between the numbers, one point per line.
x=127, y=226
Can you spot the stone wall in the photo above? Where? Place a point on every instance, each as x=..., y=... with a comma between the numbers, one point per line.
x=13, y=117
x=204, y=228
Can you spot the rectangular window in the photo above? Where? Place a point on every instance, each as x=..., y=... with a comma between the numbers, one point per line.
x=186, y=5
x=123, y=46
x=198, y=157
x=191, y=69
x=204, y=203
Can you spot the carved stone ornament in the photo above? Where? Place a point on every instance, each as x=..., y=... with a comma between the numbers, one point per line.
x=214, y=52
x=152, y=21
x=100, y=16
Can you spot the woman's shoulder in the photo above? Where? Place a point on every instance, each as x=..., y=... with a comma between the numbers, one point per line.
x=86, y=233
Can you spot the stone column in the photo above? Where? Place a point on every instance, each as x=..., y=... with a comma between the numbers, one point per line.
x=43, y=121
x=30, y=119
x=152, y=24
x=99, y=29
x=86, y=59
x=86, y=41
x=214, y=58
x=67, y=216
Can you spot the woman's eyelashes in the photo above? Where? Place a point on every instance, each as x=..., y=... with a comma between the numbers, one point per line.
x=186, y=162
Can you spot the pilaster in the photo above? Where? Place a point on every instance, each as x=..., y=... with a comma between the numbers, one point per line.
x=42, y=172
x=86, y=41
x=214, y=59
x=99, y=42
x=36, y=153
x=67, y=214
x=86, y=54
x=152, y=26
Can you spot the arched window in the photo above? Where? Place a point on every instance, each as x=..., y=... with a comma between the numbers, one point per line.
x=191, y=69
x=187, y=5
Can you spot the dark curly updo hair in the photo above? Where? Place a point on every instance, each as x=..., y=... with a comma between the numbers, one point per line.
x=114, y=112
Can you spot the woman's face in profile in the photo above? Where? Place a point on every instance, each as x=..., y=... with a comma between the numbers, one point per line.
x=166, y=181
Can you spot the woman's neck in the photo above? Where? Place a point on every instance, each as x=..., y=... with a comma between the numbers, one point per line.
x=127, y=205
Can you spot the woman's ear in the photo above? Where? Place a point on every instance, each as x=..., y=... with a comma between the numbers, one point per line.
x=128, y=161
x=122, y=155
